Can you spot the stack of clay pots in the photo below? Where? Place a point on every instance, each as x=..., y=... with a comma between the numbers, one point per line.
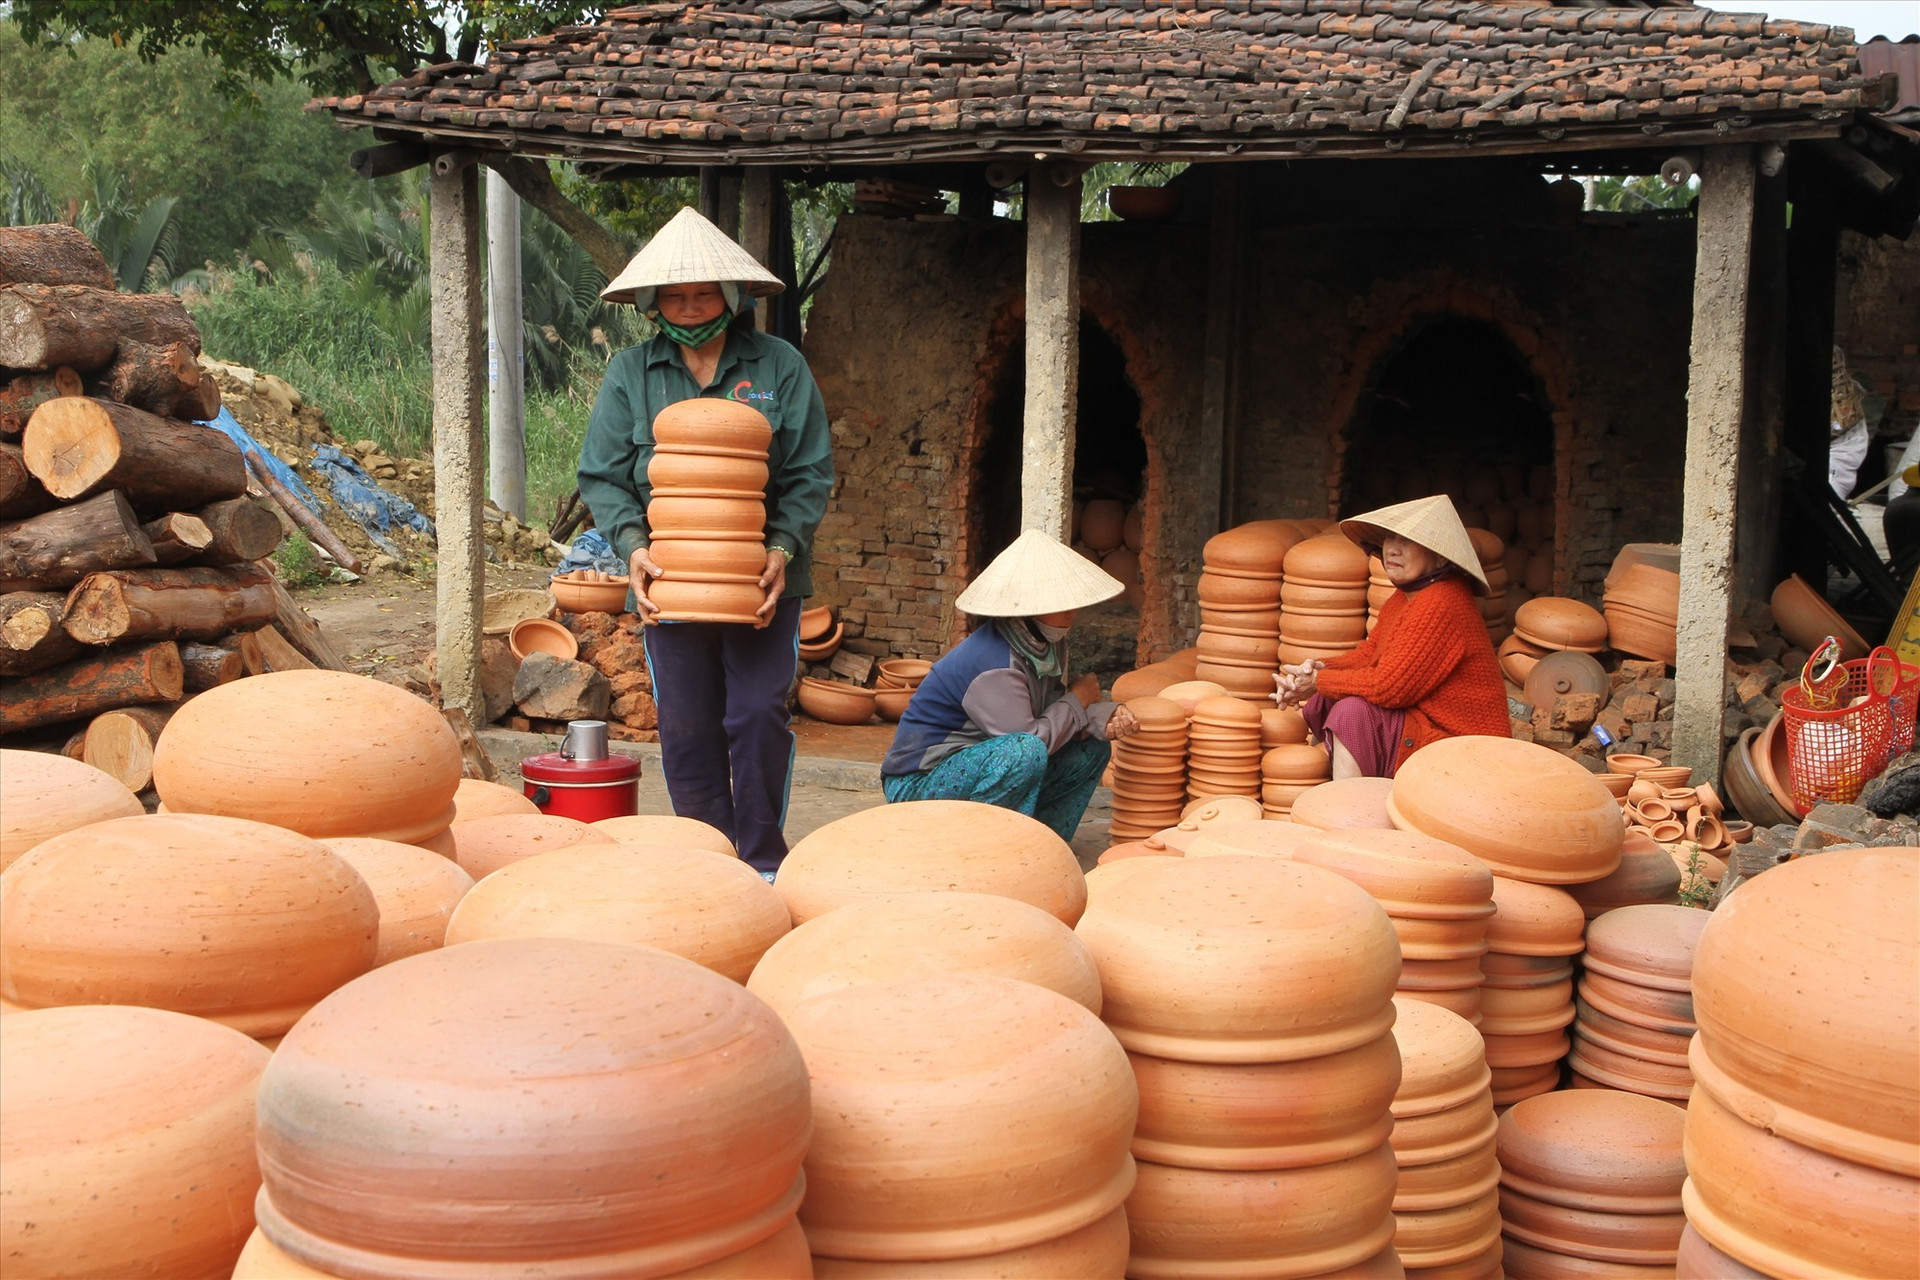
x=1556, y=622
x=1323, y=604
x=707, y=514
x=1647, y=874
x=1380, y=589
x=1253, y=995
x=1148, y=681
x=1288, y=772
x=1495, y=609
x=1223, y=749
x=1590, y=1185
x=1445, y=1204
x=1635, y=1013
x=1641, y=600
x=820, y=634
x=1239, y=592
x=1803, y=1136
x=1111, y=533
x=894, y=687
x=1526, y=994
x=1149, y=770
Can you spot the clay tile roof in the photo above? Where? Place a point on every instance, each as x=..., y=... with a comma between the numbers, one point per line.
x=854, y=81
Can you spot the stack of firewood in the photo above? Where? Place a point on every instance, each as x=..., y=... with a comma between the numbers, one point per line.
x=133, y=562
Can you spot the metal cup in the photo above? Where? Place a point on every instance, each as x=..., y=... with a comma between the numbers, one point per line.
x=586, y=740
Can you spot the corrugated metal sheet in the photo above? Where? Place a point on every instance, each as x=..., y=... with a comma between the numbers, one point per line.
x=1881, y=55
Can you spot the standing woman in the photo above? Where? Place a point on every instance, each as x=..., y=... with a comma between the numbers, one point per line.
x=726, y=740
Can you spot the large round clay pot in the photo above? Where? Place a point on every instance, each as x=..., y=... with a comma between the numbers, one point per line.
x=1441, y=1183
x=323, y=753
x=1595, y=1149
x=1646, y=874
x=1556, y=622
x=1649, y=945
x=690, y=599
x=1327, y=559
x=1256, y=547
x=939, y=845
x=1443, y=1067
x=665, y=829
x=230, y=920
x=588, y=1107
x=1216, y=647
x=1525, y=810
x=1805, y=618
x=714, y=425
x=474, y=799
x=710, y=558
x=1223, y=591
x=1519, y=1011
x=485, y=845
x=1407, y=873
x=415, y=888
x=1281, y=1223
x=712, y=909
x=126, y=1143
x=1522, y=1261
x=1305, y=598
x=1804, y=991
x=1242, y=959
x=1096, y=1250
x=835, y=701
x=686, y=471
x=1346, y=803
x=941, y=1129
x=912, y=935
x=45, y=794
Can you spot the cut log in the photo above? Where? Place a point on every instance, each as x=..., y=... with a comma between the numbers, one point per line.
x=120, y=743
x=117, y=678
x=243, y=531
x=249, y=645
x=21, y=395
x=208, y=666
x=51, y=253
x=58, y=548
x=76, y=745
x=476, y=763
x=177, y=536
x=148, y=377
x=20, y=494
x=202, y=404
x=297, y=627
x=31, y=637
x=78, y=445
x=302, y=515
x=278, y=654
x=75, y=324
x=171, y=604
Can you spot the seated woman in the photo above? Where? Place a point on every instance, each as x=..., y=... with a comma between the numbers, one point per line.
x=997, y=720
x=1428, y=670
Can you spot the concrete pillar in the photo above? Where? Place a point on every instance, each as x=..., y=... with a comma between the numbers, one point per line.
x=453, y=247
x=506, y=353
x=1053, y=349
x=1716, y=406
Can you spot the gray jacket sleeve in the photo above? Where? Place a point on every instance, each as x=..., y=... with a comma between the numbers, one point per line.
x=1001, y=702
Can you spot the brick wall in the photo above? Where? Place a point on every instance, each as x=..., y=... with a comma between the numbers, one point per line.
x=1877, y=323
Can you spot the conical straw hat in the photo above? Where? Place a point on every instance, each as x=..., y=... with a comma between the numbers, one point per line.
x=1037, y=575
x=1431, y=522
x=689, y=250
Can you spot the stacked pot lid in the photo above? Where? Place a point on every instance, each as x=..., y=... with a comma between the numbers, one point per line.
x=1288, y=772
x=1239, y=592
x=1641, y=600
x=1526, y=995
x=1223, y=749
x=1445, y=1204
x=1803, y=1136
x=707, y=515
x=1495, y=608
x=1323, y=603
x=1590, y=1185
x=1346, y=805
x=1253, y=995
x=1150, y=770
x=1636, y=1001
x=1380, y=589
x=1557, y=622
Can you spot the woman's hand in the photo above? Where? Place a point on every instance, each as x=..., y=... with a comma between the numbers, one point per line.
x=1087, y=689
x=641, y=570
x=1293, y=685
x=1121, y=724
x=773, y=581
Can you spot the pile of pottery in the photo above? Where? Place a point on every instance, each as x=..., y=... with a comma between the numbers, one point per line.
x=1111, y=533
x=1239, y=592
x=1223, y=749
x=1647, y=874
x=1526, y=993
x=1641, y=600
x=1803, y=1136
x=707, y=513
x=1148, y=681
x=1445, y=1203
x=894, y=686
x=1495, y=608
x=1590, y=1185
x=1662, y=804
x=1323, y=603
x=1149, y=770
x=1253, y=995
x=1289, y=771
x=1635, y=1012
x=820, y=634
x=1550, y=624
x=1805, y=619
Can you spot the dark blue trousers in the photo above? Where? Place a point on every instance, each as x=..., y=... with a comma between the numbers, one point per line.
x=726, y=739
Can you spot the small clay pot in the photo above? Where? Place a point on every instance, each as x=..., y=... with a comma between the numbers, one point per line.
x=825, y=647
x=543, y=635
x=714, y=425
x=576, y=594
x=892, y=703
x=1623, y=762
x=835, y=702
x=815, y=623
x=47, y=794
x=908, y=671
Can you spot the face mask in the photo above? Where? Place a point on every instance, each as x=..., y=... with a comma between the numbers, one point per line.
x=698, y=336
x=1054, y=635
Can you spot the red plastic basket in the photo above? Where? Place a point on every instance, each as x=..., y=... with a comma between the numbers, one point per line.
x=1905, y=694
x=1831, y=755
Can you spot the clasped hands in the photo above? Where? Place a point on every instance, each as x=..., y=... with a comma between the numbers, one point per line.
x=1294, y=684
x=643, y=569
x=1086, y=690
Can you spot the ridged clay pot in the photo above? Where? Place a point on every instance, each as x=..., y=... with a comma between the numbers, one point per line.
x=416, y=891
x=1407, y=873
x=485, y=845
x=1096, y=1250
x=1648, y=945
x=1346, y=804
x=686, y=470
x=1448, y=1236
x=1307, y=629
x=1440, y=1184
x=589, y=591
x=1256, y=547
x=1327, y=559
x=238, y=922
x=665, y=829
x=126, y=1142
x=586, y=1109
x=705, y=558
x=1556, y=622
x=47, y=794
x=1535, y=920
x=688, y=599
x=474, y=798
x=714, y=425
x=1595, y=1150
x=1699, y=1260
x=670, y=515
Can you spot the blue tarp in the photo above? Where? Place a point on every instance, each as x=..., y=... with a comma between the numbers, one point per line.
x=225, y=423
x=361, y=497
x=591, y=550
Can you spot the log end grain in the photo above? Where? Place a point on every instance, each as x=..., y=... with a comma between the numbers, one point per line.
x=71, y=443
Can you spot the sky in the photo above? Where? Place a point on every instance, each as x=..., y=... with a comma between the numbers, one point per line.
x=1868, y=18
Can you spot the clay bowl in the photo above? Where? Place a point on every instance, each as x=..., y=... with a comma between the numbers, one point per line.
x=689, y=599
x=834, y=702
x=892, y=703
x=699, y=558
x=1806, y=619
x=824, y=648
x=1667, y=776
x=578, y=593
x=1616, y=783
x=46, y=794
x=815, y=623
x=714, y=425
x=415, y=889
x=686, y=471
x=906, y=672
x=543, y=635
x=1629, y=632
x=1767, y=757
x=1623, y=762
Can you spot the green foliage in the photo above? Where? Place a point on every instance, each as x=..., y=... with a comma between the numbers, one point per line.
x=632, y=209
x=1644, y=193
x=298, y=565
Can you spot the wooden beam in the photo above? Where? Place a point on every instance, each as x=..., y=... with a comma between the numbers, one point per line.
x=1813, y=251
x=1716, y=406
x=458, y=437
x=383, y=162
x=1225, y=270
x=1053, y=349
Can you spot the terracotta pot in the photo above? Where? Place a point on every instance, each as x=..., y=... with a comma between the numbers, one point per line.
x=826, y=648
x=1525, y=810
x=1534, y=920
x=1668, y=776
x=1348, y=804
x=1623, y=762
x=712, y=909
x=1304, y=599
x=915, y=935
x=815, y=622
x=1769, y=757
x=1646, y=874
x=1630, y=632
x=1806, y=619
x=1536, y=1049
x=577, y=593
x=543, y=635
x=908, y=671
x=1595, y=1150
x=1619, y=784
x=1563, y=674
x=1217, y=647
x=323, y=753
x=1440, y=975
x=938, y=845
x=1453, y=1132
x=485, y=845
x=1143, y=682
x=1408, y=874
x=704, y=558
x=1663, y=1048
x=1700, y=1260
x=1098, y=1249
x=722, y=519
x=664, y=829
x=128, y=1142
x=1143, y=204
x=1242, y=959
x=1648, y=1007
x=892, y=703
x=685, y=470
x=239, y=922
x=1241, y=622
x=940, y=1129
x=47, y=794
x=1190, y=693
x=1651, y=810
x=1459, y=939
x=1103, y=524
x=1556, y=622
x=664, y=1138
x=1281, y=727
x=416, y=891
x=1649, y=945
x=835, y=702
x=1441, y=1184
x=1443, y=1064
x=713, y=425
x=696, y=600
x=1259, y=546
x=1520, y=1011
x=1308, y=629
x=474, y=799
x=1459, y=1234
x=1297, y=762
x=1629, y=1072
x=1249, y=839
x=1505, y=969
x=1328, y=558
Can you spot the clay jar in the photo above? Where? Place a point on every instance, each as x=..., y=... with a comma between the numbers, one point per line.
x=692, y=472
x=323, y=753
x=474, y=798
x=46, y=794
x=1346, y=804
x=485, y=845
x=1525, y=810
x=1556, y=622
x=941, y=1129
x=913, y=935
x=708, y=907
x=127, y=1145
x=729, y=428
x=585, y=1109
x=416, y=890
x=1242, y=959
x=236, y=921
x=667, y=829
x=939, y=845
x=1648, y=945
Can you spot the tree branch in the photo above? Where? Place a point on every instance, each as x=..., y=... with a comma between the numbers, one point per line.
x=532, y=182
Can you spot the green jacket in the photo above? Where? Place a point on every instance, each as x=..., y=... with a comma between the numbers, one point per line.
x=754, y=367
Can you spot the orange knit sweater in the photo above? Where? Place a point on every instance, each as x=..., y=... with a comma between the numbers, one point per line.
x=1430, y=657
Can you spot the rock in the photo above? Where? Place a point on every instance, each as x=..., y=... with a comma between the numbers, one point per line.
x=636, y=710
x=1896, y=790
x=1574, y=711
x=1640, y=708
x=1633, y=670
x=498, y=669
x=550, y=688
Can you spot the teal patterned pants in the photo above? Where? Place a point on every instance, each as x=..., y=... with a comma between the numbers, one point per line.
x=1014, y=772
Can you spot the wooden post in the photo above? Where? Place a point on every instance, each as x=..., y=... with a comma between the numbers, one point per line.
x=506, y=353
x=458, y=376
x=756, y=230
x=1716, y=404
x=1813, y=250
x=1053, y=348
x=1225, y=270
x=720, y=198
